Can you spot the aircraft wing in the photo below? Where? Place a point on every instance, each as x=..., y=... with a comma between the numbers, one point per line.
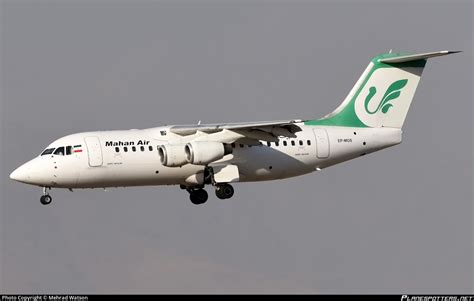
x=276, y=128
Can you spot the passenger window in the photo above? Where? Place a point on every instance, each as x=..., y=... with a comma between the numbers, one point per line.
x=241, y=145
x=68, y=150
x=293, y=142
x=233, y=145
x=117, y=149
x=301, y=142
x=47, y=151
x=125, y=149
x=309, y=142
x=150, y=148
x=277, y=143
x=134, y=149
x=269, y=143
x=285, y=143
x=142, y=148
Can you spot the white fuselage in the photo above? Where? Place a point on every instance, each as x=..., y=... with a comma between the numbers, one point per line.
x=369, y=119
x=130, y=157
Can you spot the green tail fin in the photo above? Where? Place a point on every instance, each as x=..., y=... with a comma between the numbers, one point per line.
x=383, y=94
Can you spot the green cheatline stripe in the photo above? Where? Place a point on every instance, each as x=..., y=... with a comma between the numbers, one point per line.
x=347, y=116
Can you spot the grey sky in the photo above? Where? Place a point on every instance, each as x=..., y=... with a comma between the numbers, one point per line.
x=399, y=220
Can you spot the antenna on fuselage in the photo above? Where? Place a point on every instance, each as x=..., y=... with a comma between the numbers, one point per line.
x=199, y=122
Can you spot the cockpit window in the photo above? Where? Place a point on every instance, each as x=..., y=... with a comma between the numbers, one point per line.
x=59, y=151
x=47, y=151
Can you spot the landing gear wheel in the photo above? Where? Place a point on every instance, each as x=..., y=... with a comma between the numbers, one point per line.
x=224, y=191
x=198, y=196
x=46, y=199
x=219, y=193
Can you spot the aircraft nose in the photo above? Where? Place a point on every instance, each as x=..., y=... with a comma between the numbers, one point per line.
x=20, y=174
x=33, y=172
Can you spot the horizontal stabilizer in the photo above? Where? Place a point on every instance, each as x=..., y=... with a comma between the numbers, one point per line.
x=415, y=57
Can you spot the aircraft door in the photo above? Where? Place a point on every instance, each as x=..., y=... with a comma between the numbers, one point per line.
x=94, y=151
x=322, y=143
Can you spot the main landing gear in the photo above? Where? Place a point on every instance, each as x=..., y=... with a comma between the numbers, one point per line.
x=46, y=199
x=224, y=191
x=199, y=196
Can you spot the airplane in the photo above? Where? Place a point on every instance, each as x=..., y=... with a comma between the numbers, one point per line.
x=192, y=156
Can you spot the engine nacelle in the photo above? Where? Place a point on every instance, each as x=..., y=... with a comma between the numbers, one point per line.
x=205, y=152
x=172, y=155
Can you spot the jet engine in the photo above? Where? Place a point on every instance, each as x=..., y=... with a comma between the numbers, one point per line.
x=172, y=155
x=205, y=152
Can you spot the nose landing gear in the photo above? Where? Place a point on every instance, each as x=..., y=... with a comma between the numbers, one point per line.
x=46, y=199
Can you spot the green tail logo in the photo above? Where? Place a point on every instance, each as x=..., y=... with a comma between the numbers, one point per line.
x=392, y=93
